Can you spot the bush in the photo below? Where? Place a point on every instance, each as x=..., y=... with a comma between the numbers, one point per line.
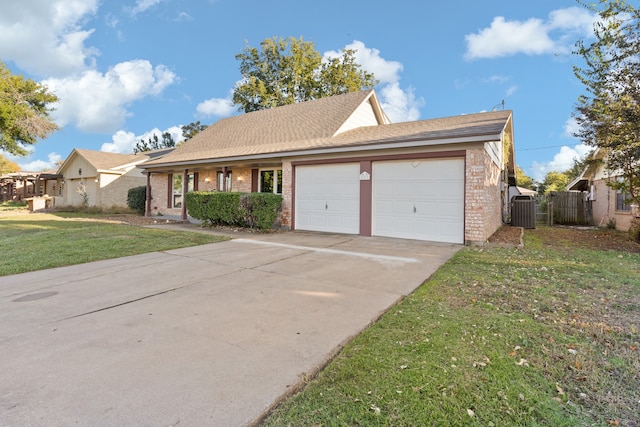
x=634, y=229
x=137, y=198
x=251, y=210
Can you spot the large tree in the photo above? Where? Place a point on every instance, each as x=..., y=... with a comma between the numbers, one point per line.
x=609, y=113
x=24, y=112
x=286, y=71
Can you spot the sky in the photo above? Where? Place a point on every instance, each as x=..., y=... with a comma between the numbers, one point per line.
x=124, y=70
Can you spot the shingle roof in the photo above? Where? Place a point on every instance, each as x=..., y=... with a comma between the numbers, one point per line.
x=104, y=160
x=313, y=125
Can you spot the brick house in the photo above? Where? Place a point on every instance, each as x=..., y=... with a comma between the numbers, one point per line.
x=102, y=179
x=342, y=167
x=607, y=204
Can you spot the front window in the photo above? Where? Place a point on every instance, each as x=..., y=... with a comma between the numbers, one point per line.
x=622, y=201
x=271, y=181
x=177, y=188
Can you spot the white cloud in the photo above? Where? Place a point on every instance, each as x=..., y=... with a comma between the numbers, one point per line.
x=125, y=142
x=400, y=104
x=45, y=37
x=219, y=107
x=562, y=161
x=98, y=102
x=531, y=37
x=511, y=90
x=141, y=6
x=571, y=127
x=39, y=165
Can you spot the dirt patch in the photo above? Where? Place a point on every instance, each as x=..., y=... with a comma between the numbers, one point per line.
x=570, y=237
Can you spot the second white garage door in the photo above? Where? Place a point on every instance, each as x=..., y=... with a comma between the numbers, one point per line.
x=328, y=198
x=421, y=200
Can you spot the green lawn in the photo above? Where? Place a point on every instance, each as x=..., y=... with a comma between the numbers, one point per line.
x=497, y=337
x=38, y=241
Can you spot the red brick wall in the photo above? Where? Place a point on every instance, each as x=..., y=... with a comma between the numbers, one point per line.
x=483, y=209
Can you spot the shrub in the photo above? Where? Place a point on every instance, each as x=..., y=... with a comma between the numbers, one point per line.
x=251, y=210
x=261, y=209
x=634, y=229
x=137, y=198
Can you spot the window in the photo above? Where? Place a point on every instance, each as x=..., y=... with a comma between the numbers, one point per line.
x=622, y=201
x=177, y=189
x=220, y=185
x=270, y=181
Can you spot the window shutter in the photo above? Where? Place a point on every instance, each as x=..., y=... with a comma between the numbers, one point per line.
x=254, y=180
x=169, y=190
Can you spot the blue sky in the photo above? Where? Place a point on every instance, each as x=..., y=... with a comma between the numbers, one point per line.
x=124, y=70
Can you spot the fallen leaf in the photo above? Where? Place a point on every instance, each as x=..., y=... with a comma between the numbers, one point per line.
x=560, y=390
x=375, y=409
x=471, y=413
x=523, y=362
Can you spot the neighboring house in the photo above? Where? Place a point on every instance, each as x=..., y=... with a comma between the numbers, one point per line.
x=607, y=204
x=98, y=178
x=342, y=167
x=521, y=191
x=19, y=186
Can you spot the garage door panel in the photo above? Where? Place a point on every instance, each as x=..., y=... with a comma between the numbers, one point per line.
x=419, y=199
x=328, y=198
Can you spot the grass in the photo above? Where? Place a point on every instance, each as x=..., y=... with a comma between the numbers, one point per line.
x=537, y=336
x=39, y=241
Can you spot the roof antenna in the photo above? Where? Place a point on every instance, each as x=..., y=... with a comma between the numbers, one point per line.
x=495, y=107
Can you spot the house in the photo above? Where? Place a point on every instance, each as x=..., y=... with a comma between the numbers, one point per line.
x=608, y=205
x=342, y=167
x=22, y=185
x=98, y=178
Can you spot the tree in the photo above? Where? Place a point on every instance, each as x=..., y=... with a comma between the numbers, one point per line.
x=192, y=129
x=554, y=181
x=609, y=113
x=523, y=180
x=7, y=166
x=24, y=112
x=154, y=143
x=286, y=71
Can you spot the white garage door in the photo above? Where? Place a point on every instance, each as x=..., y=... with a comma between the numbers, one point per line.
x=328, y=198
x=421, y=200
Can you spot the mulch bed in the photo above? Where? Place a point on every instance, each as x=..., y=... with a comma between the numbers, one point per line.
x=574, y=237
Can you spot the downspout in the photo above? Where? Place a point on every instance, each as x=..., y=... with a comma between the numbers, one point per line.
x=185, y=187
x=147, y=208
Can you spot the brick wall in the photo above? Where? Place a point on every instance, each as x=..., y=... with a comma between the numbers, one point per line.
x=483, y=210
x=287, y=194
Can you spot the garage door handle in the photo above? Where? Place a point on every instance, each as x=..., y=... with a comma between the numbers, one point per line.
x=414, y=209
x=326, y=206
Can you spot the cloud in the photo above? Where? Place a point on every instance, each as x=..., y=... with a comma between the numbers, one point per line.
x=142, y=6
x=39, y=165
x=97, y=102
x=531, y=37
x=400, y=104
x=125, y=142
x=562, y=161
x=219, y=107
x=45, y=37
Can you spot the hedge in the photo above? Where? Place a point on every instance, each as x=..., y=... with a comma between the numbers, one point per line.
x=137, y=198
x=249, y=210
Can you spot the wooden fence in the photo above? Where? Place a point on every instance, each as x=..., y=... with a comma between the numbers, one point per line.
x=564, y=208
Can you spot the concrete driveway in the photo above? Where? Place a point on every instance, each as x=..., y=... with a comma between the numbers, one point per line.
x=201, y=336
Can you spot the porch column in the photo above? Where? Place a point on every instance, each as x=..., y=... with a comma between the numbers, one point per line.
x=185, y=187
x=147, y=208
x=224, y=178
